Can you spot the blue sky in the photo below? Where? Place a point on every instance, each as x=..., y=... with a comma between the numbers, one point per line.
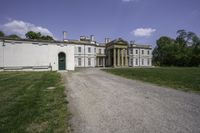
x=141, y=20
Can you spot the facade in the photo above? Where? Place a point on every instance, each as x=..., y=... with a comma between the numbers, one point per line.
x=139, y=55
x=31, y=55
x=66, y=55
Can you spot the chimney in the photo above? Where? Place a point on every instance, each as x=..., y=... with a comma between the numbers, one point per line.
x=132, y=43
x=64, y=35
x=82, y=38
x=92, y=38
x=107, y=40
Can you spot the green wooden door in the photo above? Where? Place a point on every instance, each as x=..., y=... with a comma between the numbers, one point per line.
x=61, y=61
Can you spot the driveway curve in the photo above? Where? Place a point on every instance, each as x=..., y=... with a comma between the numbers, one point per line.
x=105, y=103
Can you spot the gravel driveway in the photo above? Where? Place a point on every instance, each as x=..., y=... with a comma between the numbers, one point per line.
x=104, y=103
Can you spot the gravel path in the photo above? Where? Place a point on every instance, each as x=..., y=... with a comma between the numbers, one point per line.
x=104, y=103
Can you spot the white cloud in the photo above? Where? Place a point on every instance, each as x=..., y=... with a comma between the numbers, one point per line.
x=143, y=32
x=130, y=0
x=21, y=28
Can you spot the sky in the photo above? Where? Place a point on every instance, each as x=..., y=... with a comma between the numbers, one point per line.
x=142, y=21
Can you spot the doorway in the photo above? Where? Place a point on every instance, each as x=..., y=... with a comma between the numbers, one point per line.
x=61, y=61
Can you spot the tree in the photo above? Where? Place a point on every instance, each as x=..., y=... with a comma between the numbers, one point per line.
x=163, y=54
x=2, y=34
x=37, y=36
x=183, y=51
x=184, y=38
x=49, y=38
x=14, y=36
x=33, y=35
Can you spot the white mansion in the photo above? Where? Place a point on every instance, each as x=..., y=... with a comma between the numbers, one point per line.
x=23, y=54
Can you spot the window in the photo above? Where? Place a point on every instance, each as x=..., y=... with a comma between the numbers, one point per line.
x=148, y=62
x=142, y=51
x=99, y=51
x=131, y=61
x=136, y=61
x=79, y=61
x=148, y=52
x=79, y=49
x=89, y=61
x=136, y=51
x=142, y=61
x=131, y=51
x=94, y=50
x=89, y=50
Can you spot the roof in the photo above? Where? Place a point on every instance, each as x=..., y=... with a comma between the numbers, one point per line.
x=53, y=41
x=140, y=46
x=117, y=41
x=69, y=41
x=30, y=40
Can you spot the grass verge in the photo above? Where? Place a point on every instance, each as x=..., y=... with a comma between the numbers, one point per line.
x=186, y=79
x=33, y=102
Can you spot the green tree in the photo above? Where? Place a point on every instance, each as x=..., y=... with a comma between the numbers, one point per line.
x=33, y=35
x=37, y=36
x=182, y=51
x=163, y=53
x=195, y=57
x=47, y=38
x=2, y=34
x=14, y=36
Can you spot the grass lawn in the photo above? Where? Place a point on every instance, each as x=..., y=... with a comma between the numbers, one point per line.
x=187, y=79
x=33, y=102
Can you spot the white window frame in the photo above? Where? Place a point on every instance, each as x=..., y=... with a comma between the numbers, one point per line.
x=148, y=61
x=136, y=51
x=131, y=51
x=89, y=49
x=142, y=51
x=79, y=49
x=89, y=61
x=142, y=61
x=79, y=62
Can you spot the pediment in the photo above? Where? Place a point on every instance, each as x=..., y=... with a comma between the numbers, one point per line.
x=118, y=41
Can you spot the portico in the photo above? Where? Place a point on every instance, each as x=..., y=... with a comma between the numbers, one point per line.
x=117, y=53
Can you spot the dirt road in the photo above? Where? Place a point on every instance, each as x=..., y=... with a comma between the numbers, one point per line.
x=104, y=103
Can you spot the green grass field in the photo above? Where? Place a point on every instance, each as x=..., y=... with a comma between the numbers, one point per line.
x=33, y=102
x=186, y=79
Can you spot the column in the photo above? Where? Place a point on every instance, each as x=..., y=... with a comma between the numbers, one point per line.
x=103, y=62
x=122, y=57
x=114, y=57
x=126, y=58
x=118, y=57
x=97, y=62
x=109, y=57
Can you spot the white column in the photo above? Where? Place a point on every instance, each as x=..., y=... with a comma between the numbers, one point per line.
x=97, y=62
x=103, y=62
x=126, y=58
x=118, y=57
x=122, y=56
x=114, y=58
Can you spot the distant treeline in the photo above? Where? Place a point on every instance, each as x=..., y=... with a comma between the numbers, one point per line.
x=184, y=50
x=29, y=35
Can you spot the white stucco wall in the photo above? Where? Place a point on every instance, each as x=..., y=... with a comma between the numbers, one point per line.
x=84, y=55
x=24, y=53
x=138, y=57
